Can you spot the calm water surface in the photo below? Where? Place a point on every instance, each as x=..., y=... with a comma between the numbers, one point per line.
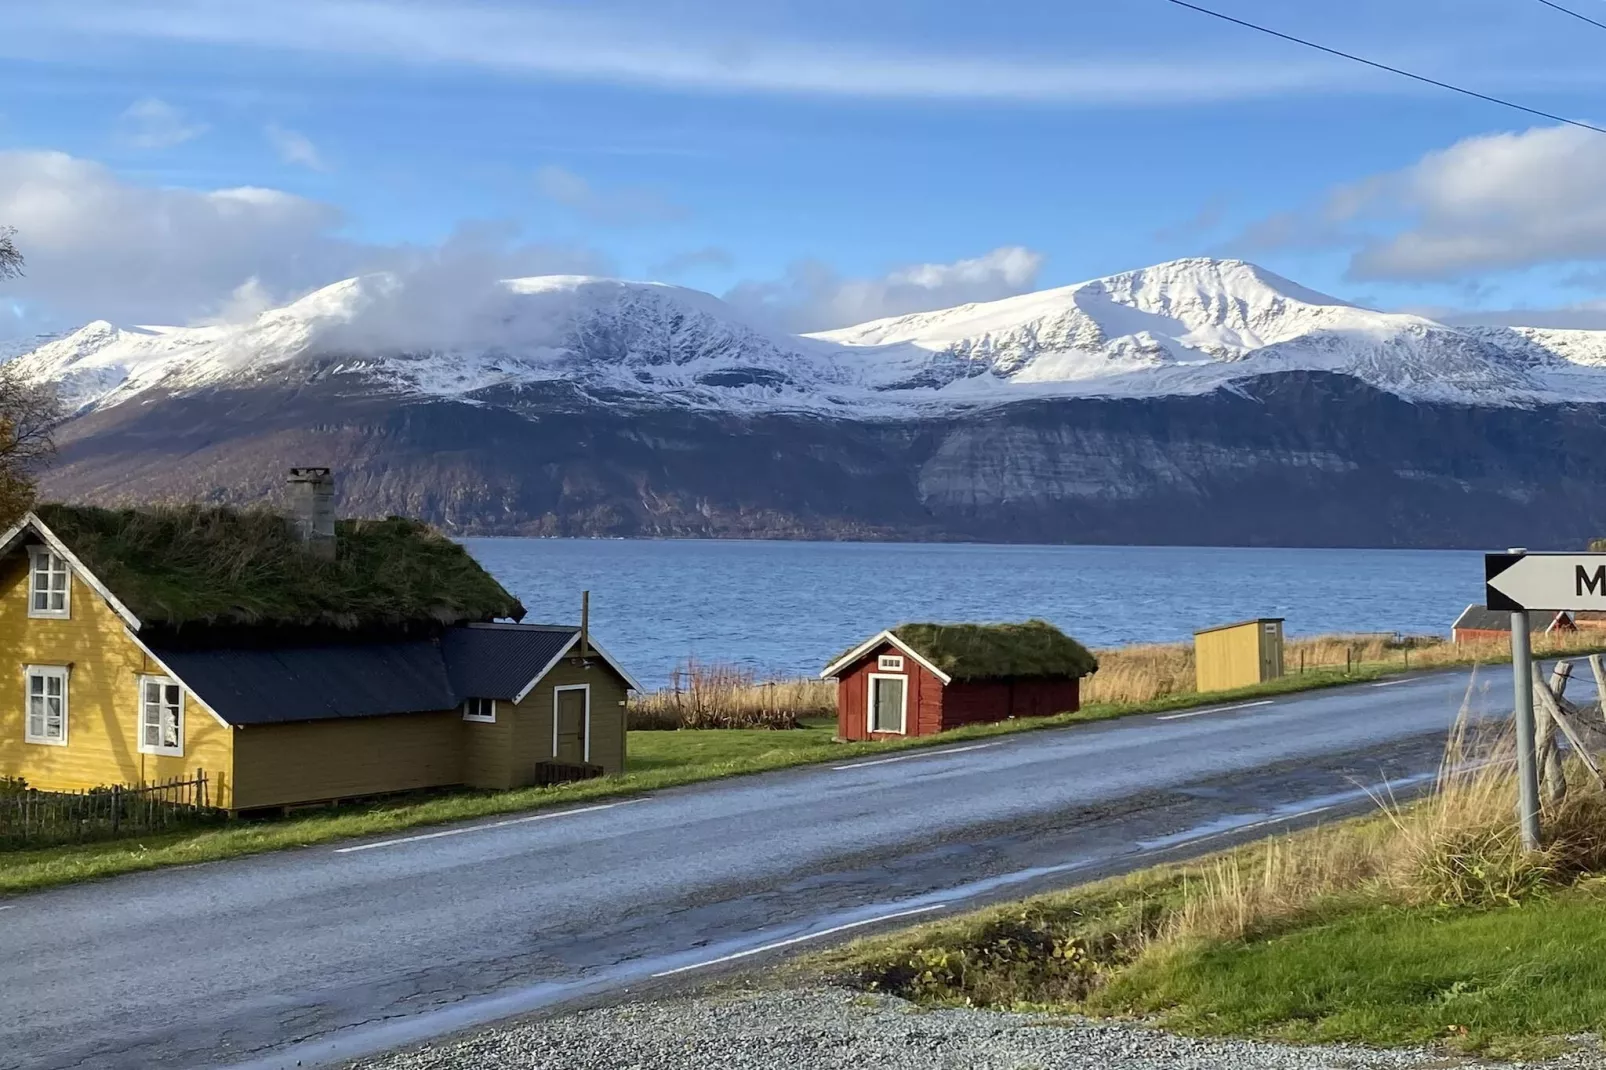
x=787, y=607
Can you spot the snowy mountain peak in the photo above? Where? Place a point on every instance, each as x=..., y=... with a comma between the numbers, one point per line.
x=1184, y=327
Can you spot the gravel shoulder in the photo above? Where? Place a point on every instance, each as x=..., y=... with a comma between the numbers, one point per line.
x=825, y=1028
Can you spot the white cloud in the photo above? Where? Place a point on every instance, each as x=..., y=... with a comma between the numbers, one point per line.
x=294, y=147
x=99, y=246
x=587, y=45
x=1489, y=203
x=150, y=123
x=626, y=206
x=813, y=297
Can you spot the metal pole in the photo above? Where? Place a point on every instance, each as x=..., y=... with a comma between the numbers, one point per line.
x=1527, y=766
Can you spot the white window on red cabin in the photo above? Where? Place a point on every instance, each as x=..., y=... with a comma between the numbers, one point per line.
x=890, y=663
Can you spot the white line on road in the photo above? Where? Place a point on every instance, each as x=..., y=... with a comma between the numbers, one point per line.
x=1390, y=683
x=921, y=754
x=1213, y=709
x=13, y=906
x=483, y=828
x=800, y=939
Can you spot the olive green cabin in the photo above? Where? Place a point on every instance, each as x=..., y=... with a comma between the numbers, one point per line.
x=147, y=645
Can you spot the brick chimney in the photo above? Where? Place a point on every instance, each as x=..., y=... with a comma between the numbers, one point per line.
x=312, y=494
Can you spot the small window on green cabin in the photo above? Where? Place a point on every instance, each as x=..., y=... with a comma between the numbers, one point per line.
x=480, y=709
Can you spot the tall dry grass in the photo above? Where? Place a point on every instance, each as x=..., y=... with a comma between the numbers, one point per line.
x=717, y=695
x=1143, y=673
x=1458, y=846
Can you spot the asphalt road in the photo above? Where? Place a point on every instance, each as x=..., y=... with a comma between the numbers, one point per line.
x=315, y=956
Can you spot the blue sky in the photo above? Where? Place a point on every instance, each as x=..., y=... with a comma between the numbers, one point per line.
x=820, y=162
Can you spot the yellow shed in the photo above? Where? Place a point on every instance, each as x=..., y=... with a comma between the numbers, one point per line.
x=1238, y=655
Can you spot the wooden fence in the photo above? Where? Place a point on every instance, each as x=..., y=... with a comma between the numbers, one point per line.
x=33, y=818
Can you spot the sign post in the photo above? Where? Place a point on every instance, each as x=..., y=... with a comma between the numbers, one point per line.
x=1518, y=581
x=1527, y=759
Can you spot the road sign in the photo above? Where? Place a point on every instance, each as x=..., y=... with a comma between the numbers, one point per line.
x=1545, y=581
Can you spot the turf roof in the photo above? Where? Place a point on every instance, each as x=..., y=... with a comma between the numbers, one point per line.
x=998, y=651
x=216, y=565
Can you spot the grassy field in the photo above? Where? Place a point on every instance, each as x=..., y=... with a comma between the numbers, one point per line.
x=1421, y=924
x=662, y=759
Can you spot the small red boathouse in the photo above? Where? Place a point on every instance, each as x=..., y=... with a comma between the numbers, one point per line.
x=920, y=679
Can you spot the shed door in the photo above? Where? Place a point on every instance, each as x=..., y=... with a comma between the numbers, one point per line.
x=570, y=714
x=888, y=697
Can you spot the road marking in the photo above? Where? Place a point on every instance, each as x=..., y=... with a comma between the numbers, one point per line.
x=800, y=939
x=1213, y=709
x=482, y=828
x=11, y=907
x=922, y=754
x=1390, y=683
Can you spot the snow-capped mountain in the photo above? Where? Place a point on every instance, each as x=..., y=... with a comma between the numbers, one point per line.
x=1183, y=328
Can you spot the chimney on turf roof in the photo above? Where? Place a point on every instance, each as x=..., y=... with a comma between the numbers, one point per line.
x=312, y=493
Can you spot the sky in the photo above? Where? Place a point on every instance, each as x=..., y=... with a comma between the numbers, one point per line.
x=817, y=164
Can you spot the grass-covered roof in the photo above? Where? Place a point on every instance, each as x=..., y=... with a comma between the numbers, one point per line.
x=998, y=651
x=215, y=565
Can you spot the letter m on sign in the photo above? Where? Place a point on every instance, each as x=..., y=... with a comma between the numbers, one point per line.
x=1591, y=582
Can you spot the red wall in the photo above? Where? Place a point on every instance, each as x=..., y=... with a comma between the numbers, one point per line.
x=982, y=703
x=853, y=692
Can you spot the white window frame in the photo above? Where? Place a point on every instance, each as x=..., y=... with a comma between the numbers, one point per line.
x=54, y=564
x=869, y=703
x=890, y=663
x=176, y=751
x=556, y=691
x=482, y=718
x=28, y=674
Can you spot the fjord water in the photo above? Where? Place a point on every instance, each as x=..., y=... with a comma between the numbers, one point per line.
x=784, y=608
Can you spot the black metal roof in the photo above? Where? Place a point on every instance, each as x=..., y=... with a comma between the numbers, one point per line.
x=500, y=660
x=269, y=685
x=272, y=684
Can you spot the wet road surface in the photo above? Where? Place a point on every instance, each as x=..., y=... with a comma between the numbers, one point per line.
x=324, y=954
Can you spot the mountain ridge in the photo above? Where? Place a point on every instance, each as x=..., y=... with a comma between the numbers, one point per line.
x=1185, y=327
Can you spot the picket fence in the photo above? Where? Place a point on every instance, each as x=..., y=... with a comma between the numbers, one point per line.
x=30, y=817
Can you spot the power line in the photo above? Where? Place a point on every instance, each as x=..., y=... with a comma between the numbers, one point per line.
x=1392, y=70
x=1574, y=14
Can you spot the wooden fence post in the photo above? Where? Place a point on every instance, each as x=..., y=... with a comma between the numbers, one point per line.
x=1554, y=776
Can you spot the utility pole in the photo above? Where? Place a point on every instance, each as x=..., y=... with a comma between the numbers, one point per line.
x=1527, y=763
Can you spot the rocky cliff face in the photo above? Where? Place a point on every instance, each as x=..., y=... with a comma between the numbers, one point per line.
x=1297, y=458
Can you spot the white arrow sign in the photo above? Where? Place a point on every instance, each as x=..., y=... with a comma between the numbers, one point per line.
x=1545, y=581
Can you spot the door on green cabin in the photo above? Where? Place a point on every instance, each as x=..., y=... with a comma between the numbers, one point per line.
x=571, y=714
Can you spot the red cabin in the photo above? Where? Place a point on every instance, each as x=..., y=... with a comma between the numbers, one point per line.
x=920, y=679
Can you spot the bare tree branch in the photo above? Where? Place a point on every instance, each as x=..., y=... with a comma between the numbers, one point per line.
x=10, y=255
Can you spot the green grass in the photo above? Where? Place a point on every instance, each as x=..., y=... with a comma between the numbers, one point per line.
x=657, y=760
x=1510, y=982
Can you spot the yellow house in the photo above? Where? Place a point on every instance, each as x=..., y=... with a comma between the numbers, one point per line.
x=144, y=645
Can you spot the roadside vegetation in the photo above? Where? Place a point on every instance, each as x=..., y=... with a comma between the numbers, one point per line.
x=1424, y=923
x=795, y=726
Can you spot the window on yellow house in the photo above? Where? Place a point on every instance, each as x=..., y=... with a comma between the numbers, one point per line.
x=161, y=721
x=48, y=587
x=46, y=705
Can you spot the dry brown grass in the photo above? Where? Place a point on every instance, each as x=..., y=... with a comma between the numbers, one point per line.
x=1459, y=846
x=1134, y=674
x=725, y=696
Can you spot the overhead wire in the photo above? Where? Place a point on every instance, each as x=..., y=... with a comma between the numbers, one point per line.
x=1575, y=14
x=1392, y=70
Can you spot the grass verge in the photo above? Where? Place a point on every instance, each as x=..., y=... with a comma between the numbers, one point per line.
x=1421, y=924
